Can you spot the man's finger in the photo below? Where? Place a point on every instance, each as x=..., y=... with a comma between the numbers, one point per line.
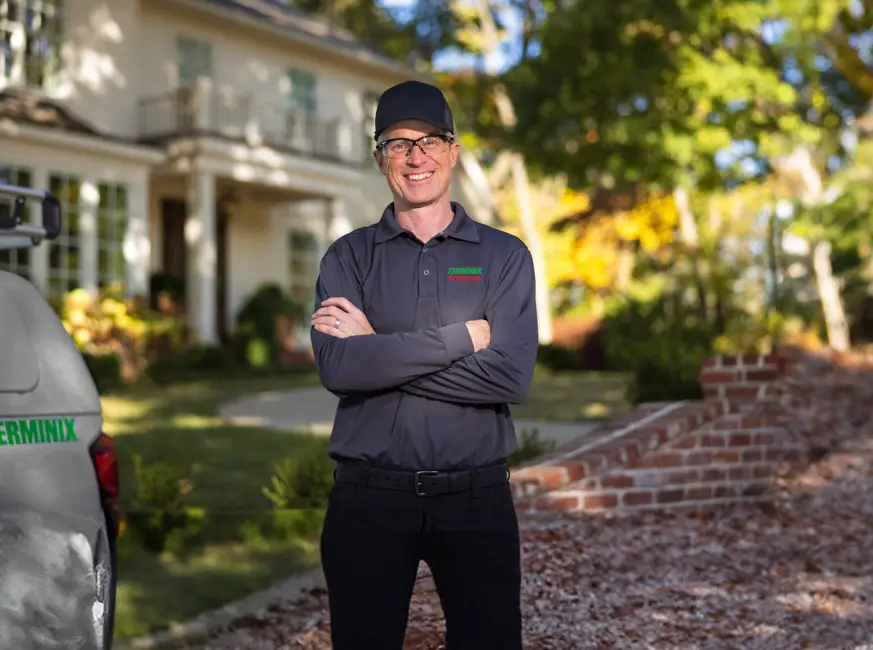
x=343, y=303
x=332, y=312
x=327, y=321
x=330, y=330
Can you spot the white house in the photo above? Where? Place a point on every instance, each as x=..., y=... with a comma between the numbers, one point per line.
x=226, y=142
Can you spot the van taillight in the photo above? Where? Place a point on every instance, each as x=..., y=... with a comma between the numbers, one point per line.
x=106, y=467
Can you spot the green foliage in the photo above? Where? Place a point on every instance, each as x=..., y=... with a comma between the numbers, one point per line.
x=193, y=362
x=105, y=369
x=529, y=447
x=558, y=358
x=302, y=482
x=662, y=342
x=158, y=519
x=662, y=87
x=110, y=325
x=255, y=336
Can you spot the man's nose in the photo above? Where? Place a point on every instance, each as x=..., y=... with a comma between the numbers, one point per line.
x=416, y=156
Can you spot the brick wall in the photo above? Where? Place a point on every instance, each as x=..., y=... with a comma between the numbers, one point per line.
x=727, y=447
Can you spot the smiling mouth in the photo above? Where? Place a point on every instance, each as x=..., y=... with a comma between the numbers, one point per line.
x=418, y=177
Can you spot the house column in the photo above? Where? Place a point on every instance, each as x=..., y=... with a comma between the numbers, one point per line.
x=336, y=220
x=137, y=250
x=39, y=255
x=89, y=204
x=200, y=226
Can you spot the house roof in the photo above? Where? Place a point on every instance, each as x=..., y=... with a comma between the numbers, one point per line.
x=30, y=108
x=298, y=25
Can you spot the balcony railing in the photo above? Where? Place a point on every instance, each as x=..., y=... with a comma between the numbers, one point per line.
x=203, y=110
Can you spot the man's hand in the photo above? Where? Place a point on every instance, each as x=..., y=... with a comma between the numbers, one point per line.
x=480, y=332
x=340, y=318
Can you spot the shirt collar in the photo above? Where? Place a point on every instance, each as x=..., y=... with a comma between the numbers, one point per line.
x=461, y=227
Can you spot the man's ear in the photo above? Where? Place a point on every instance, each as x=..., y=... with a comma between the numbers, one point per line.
x=454, y=152
x=377, y=156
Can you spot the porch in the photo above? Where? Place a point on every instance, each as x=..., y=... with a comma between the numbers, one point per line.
x=215, y=240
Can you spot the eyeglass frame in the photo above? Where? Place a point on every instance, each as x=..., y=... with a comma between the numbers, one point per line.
x=448, y=139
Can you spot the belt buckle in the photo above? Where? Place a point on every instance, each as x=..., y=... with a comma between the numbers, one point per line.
x=418, y=491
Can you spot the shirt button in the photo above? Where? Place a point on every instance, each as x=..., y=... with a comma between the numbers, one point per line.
x=424, y=250
x=427, y=272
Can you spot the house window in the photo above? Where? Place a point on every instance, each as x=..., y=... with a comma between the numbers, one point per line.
x=302, y=265
x=194, y=60
x=16, y=261
x=30, y=42
x=64, y=252
x=111, y=226
x=302, y=91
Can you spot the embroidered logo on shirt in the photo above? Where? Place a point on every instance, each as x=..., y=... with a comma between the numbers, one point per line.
x=465, y=274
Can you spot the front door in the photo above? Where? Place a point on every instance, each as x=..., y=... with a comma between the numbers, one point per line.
x=174, y=256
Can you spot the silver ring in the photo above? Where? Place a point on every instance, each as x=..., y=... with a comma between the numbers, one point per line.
x=336, y=323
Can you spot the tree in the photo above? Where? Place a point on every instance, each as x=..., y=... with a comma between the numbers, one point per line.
x=480, y=34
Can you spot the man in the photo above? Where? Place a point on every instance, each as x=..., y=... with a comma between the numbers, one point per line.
x=425, y=327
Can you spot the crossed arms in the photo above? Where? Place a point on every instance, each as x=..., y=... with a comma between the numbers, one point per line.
x=437, y=362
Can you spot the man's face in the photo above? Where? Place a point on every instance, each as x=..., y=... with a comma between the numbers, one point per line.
x=417, y=179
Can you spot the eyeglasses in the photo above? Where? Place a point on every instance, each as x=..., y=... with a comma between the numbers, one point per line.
x=430, y=145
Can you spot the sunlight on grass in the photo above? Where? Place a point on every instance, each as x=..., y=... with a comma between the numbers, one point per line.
x=156, y=592
x=228, y=466
x=574, y=396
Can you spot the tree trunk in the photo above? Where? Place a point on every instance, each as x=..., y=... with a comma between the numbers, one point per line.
x=773, y=248
x=829, y=293
x=690, y=238
x=522, y=185
x=624, y=272
x=800, y=164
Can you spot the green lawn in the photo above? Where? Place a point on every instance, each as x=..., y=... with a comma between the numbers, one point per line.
x=229, y=465
x=574, y=396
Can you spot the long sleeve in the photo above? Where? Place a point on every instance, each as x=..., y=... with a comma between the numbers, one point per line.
x=378, y=361
x=502, y=372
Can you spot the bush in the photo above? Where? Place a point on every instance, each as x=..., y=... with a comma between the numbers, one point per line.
x=302, y=482
x=662, y=343
x=109, y=325
x=193, y=362
x=158, y=519
x=105, y=370
x=557, y=358
x=255, y=336
x=529, y=447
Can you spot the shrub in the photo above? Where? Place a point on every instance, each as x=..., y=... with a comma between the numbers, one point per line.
x=193, y=362
x=529, y=447
x=302, y=482
x=158, y=518
x=557, y=358
x=255, y=336
x=110, y=324
x=660, y=341
x=105, y=369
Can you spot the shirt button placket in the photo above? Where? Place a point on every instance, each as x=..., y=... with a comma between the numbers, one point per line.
x=428, y=307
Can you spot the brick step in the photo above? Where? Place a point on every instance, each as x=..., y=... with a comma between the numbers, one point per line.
x=698, y=454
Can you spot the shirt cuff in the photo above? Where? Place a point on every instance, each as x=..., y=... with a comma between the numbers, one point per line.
x=458, y=342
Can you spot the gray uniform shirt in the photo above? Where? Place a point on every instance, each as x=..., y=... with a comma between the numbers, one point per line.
x=415, y=395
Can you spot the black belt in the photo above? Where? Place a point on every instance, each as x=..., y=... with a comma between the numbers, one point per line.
x=423, y=483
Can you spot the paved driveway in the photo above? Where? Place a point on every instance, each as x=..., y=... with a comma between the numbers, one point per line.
x=311, y=410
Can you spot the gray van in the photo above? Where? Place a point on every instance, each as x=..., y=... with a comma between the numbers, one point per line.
x=59, y=510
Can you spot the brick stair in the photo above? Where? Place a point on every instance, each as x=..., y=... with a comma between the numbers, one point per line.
x=725, y=448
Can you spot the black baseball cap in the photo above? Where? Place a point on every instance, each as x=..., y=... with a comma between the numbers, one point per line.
x=413, y=100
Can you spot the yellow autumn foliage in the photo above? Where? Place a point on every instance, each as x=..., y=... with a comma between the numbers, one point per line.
x=591, y=251
x=552, y=202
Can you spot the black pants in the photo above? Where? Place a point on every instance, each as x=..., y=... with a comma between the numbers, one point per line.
x=371, y=545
